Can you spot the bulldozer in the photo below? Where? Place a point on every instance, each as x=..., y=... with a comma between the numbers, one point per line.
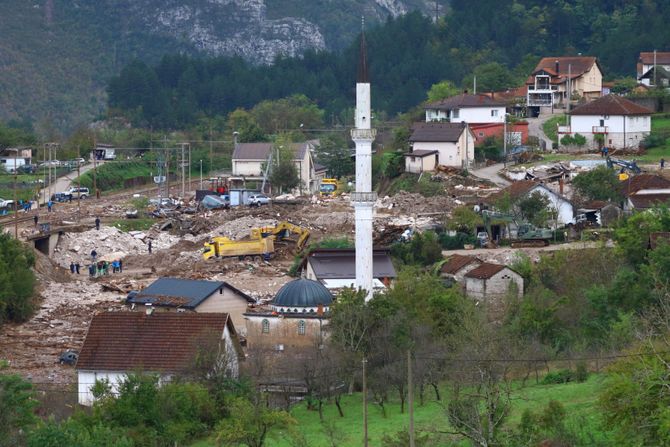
x=259, y=244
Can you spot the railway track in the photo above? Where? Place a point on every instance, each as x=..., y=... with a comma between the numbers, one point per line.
x=9, y=220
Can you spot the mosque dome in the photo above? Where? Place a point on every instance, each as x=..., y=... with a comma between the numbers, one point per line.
x=303, y=293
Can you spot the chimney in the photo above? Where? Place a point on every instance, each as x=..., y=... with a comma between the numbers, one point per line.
x=148, y=309
x=557, y=67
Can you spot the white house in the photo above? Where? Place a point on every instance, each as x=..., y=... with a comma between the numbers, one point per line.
x=489, y=282
x=250, y=158
x=620, y=122
x=335, y=268
x=645, y=66
x=549, y=83
x=454, y=143
x=466, y=108
x=13, y=158
x=560, y=208
x=164, y=343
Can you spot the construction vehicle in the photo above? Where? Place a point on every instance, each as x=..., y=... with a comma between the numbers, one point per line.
x=328, y=187
x=282, y=232
x=223, y=247
x=527, y=235
x=219, y=185
x=624, y=164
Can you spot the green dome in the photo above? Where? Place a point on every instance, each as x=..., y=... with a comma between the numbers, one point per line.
x=303, y=293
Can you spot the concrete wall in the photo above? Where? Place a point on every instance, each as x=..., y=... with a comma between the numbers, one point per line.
x=417, y=165
x=227, y=302
x=495, y=287
x=252, y=168
x=284, y=332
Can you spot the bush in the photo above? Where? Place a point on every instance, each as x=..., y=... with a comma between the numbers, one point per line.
x=559, y=376
x=424, y=249
x=17, y=280
x=456, y=242
x=581, y=372
x=654, y=139
x=577, y=140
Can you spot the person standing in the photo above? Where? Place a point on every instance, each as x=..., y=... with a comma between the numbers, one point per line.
x=71, y=267
x=94, y=254
x=77, y=266
x=50, y=204
x=662, y=163
x=120, y=265
x=149, y=246
x=97, y=223
x=36, y=219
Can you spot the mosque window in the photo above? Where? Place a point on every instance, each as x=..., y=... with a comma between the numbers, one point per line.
x=301, y=327
x=266, y=326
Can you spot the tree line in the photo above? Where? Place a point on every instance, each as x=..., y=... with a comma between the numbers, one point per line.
x=407, y=55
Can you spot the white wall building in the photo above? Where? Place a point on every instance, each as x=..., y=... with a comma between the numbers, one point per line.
x=620, y=122
x=454, y=143
x=466, y=108
x=492, y=281
x=646, y=62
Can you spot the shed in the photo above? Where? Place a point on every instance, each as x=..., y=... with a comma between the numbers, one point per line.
x=490, y=281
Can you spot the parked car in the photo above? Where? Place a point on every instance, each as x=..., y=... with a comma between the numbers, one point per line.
x=5, y=203
x=258, y=200
x=78, y=193
x=27, y=169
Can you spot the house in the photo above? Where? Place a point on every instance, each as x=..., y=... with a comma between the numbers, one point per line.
x=489, y=282
x=611, y=121
x=294, y=321
x=647, y=198
x=335, y=268
x=466, y=108
x=120, y=343
x=15, y=157
x=517, y=132
x=646, y=63
x=639, y=182
x=249, y=160
x=656, y=76
x=176, y=294
x=560, y=207
x=456, y=266
x=454, y=143
x=549, y=82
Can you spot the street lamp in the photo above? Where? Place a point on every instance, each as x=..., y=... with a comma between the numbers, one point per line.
x=505, y=140
x=201, y=175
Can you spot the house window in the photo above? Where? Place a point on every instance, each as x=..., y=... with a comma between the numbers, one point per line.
x=494, y=112
x=266, y=326
x=455, y=113
x=301, y=327
x=481, y=134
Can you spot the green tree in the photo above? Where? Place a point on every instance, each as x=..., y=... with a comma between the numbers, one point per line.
x=17, y=280
x=464, y=219
x=250, y=424
x=17, y=407
x=243, y=122
x=283, y=172
x=600, y=183
x=491, y=77
x=287, y=115
x=335, y=155
x=534, y=208
x=442, y=90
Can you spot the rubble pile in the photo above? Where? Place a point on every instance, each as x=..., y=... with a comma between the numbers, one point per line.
x=77, y=247
x=240, y=228
x=413, y=203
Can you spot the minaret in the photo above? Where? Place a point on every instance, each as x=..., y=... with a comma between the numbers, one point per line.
x=364, y=198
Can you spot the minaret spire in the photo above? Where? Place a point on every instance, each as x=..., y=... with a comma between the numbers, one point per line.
x=362, y=77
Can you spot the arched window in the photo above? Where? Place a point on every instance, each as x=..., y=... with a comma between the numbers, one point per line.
x=266, y=326
x=301, y=327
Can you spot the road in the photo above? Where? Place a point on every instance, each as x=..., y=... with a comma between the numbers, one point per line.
x=503, y=250
x=491, y=173
x=535, y=129
x=63, y=183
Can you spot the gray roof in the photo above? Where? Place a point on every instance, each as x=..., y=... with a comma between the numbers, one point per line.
x=463, y=101
x=437, y=132
x=303, y=293
x=260, y=151
x=420, y=153
x=176, y=292
x=341, y=263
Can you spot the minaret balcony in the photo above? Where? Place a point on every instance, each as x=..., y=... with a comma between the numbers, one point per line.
x=364, y=197
x=363, y=134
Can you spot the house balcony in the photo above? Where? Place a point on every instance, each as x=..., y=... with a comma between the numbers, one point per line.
x=564, y=129
x=540, y=98
x=599, y=129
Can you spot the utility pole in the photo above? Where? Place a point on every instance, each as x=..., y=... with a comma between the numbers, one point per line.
x=654, y=68
x=210, y=147
x=78, y=183
x=201, y=175
x=183, y=166
x=16, y=209
x=410, y=398
x=365, y=403
x=505, y=141
x=190, y=181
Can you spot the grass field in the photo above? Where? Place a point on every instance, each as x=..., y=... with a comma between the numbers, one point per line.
x=579, y=400
x=549, y=127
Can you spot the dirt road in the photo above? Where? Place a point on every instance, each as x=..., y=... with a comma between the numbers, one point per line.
x=491, y=173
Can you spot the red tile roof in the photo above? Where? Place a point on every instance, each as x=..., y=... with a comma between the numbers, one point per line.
x=160, y=342
x=611, y=105
x=515, y=190
x=456, y=263
x=662, y=57
x=464, y=100
x=485, y=271
x=644, y=201
x=644, y=181
x=576, y=65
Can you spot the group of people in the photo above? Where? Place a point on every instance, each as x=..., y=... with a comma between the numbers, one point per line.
x=102, y=268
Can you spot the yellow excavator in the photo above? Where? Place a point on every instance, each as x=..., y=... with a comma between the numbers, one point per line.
x=283, y=231
x=260, y=242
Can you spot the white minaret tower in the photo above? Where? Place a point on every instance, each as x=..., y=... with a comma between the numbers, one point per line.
x=364, y=198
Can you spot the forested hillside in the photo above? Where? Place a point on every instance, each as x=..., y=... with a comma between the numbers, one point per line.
x=407, y=55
